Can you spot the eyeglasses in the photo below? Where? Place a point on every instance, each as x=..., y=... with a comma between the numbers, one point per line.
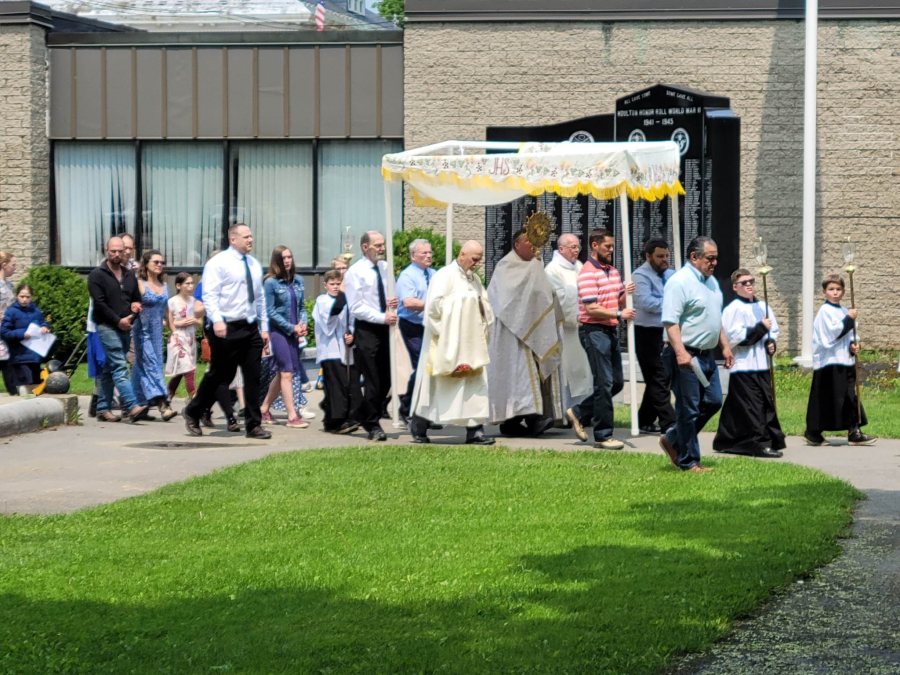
x=747, y=282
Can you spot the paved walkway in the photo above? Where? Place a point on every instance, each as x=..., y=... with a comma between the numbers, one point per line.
x=845, y=619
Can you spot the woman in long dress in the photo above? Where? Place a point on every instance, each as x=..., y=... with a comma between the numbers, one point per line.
x=147, y=377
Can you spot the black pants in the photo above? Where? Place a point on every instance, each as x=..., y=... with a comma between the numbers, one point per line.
x=242, y=346
x=11, y=389
x=373, y=356
x=657, y=401
x=223, y=393
x=412, y=338
x=343, y=395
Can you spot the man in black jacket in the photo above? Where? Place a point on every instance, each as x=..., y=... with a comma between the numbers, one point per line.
x=117, y=299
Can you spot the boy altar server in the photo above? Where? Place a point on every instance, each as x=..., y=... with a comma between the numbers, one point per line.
x=749, y=424
x=833, y=405
x=333, y=354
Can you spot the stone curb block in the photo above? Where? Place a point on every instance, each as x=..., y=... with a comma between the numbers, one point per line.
x=38, y=413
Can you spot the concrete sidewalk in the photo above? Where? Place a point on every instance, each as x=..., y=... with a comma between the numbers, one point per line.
x=846, y=619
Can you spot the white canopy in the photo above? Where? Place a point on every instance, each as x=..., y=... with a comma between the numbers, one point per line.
x=459, y=172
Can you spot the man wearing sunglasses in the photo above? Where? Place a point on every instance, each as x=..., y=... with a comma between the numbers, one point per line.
x=749, y=424
x=692, y=317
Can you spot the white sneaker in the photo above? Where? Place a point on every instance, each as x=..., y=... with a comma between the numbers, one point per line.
x=308, y=387
x=305, y=414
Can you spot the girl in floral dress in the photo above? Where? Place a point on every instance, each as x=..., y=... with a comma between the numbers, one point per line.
x=181, y=360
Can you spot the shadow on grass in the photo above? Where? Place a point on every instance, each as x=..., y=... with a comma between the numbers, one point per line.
x=685, y=573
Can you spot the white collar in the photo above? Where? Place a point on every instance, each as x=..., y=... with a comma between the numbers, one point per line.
x=558, y=258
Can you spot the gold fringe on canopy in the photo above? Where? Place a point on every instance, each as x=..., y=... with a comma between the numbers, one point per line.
x=635, y=192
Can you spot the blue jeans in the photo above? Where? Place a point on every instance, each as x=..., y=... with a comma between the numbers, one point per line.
x=116, y=344
x=412, y=337
x=601, y=344
x=694, y=405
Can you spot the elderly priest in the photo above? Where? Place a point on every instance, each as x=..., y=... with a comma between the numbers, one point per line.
x=526, y=364
x=451, y=379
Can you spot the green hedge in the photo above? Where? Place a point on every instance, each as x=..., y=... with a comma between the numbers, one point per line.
x=403, y=238
x=63, y=297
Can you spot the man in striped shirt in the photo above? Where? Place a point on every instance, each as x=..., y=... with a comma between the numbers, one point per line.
x=601, y=300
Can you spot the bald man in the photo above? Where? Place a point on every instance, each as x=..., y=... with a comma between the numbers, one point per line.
x=374, y=313
x=451, y=380
x=562, y=272
x=116, y=302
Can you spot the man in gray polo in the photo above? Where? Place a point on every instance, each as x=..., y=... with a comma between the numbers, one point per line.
x=692, y=317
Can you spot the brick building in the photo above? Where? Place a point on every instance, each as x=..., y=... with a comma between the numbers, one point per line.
x=511, y=62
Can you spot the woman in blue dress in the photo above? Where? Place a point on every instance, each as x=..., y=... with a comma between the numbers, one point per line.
x=287, y=332
x=148, y=375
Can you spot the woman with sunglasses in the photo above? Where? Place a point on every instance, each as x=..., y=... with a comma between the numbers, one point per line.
x=148, y=375
x=749, y=424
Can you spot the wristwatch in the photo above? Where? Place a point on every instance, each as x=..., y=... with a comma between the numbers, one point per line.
x=619, y=314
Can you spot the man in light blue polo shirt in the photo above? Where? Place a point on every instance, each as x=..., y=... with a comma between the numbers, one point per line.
x=692, y=316
x=412, y=287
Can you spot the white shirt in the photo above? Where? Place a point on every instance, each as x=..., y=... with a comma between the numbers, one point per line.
x=330, y=331
x=740, y=317
x=361, y=288
x=225, y=294
x=828, y=348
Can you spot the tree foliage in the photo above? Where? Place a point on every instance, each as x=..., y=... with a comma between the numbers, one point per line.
x=392, y=10
x=403, y=238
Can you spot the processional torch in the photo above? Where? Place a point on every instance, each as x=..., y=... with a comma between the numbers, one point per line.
x=762, y=253
x=849, y=251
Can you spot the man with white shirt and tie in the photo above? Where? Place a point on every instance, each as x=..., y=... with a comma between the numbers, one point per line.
x=412, y=287
x=369, y=305
x=234, y=303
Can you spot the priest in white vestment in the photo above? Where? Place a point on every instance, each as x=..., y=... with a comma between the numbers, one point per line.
x=524, y=376
x=562, y=273
x=451, y=380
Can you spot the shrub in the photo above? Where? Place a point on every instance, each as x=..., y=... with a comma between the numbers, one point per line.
x=311, y=324
x=402, y=239
x=63, y=297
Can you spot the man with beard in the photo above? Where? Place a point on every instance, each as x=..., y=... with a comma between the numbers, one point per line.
x=749, y=424
x=649, y=281
x=525, y=370
x=369, y=307
x=601, y=295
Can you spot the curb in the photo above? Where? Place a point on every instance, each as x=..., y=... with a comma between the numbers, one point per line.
x=34, y=414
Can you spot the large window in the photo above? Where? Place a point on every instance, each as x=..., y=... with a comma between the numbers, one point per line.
x=95, y=198
x=272, y=192
x=183, y=201
x=351, y=193
x=180, y=196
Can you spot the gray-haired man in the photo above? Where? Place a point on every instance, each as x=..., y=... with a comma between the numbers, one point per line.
x=412, y=287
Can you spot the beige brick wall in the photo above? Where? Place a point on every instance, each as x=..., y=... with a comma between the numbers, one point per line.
x=461, y=78
x=24, y=149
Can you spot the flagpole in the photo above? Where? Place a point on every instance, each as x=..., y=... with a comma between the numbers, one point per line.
x=389, y=245
x=629, y=303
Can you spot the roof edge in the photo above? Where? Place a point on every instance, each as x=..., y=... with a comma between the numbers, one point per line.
x=178, y=39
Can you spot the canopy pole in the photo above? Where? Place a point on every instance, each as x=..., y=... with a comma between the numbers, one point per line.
x=676, y=233
x=629, y=303
x=449, y=247
x=389, y=244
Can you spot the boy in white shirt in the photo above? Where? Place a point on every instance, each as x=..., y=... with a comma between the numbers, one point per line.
x=833, y=404
x=749, y=424
x=334, y=355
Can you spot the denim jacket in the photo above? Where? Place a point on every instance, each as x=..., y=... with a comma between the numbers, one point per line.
x=16, y=320
x=278, y=307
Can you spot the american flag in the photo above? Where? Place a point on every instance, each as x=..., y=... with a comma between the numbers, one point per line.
x=320, y=15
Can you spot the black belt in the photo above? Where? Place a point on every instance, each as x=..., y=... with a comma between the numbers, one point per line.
x=600, y=326
x=697, y=352
x=239, y=322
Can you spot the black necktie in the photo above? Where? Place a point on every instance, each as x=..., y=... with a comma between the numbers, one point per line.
x=251, y=297
x=382, y=298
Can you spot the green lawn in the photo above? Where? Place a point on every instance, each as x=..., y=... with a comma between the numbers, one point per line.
x=413, y=560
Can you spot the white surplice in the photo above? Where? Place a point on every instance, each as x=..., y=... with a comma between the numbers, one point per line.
x=563, y=277
x=524, y=341
x=451, y=380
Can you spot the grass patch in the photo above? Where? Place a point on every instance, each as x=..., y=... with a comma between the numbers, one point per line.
x=413, y=560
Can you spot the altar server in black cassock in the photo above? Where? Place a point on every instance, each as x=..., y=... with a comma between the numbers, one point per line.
x=832, y=397
x=749, y=424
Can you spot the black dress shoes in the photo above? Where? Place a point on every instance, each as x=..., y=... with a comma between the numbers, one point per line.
x=377, y=434
x=192, y=425
x=651, y=429
x=477, y=437
x=259, y=434
x=769, y=452
x=416, y=438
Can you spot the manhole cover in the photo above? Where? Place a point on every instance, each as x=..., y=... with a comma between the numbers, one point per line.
x=179, y=445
